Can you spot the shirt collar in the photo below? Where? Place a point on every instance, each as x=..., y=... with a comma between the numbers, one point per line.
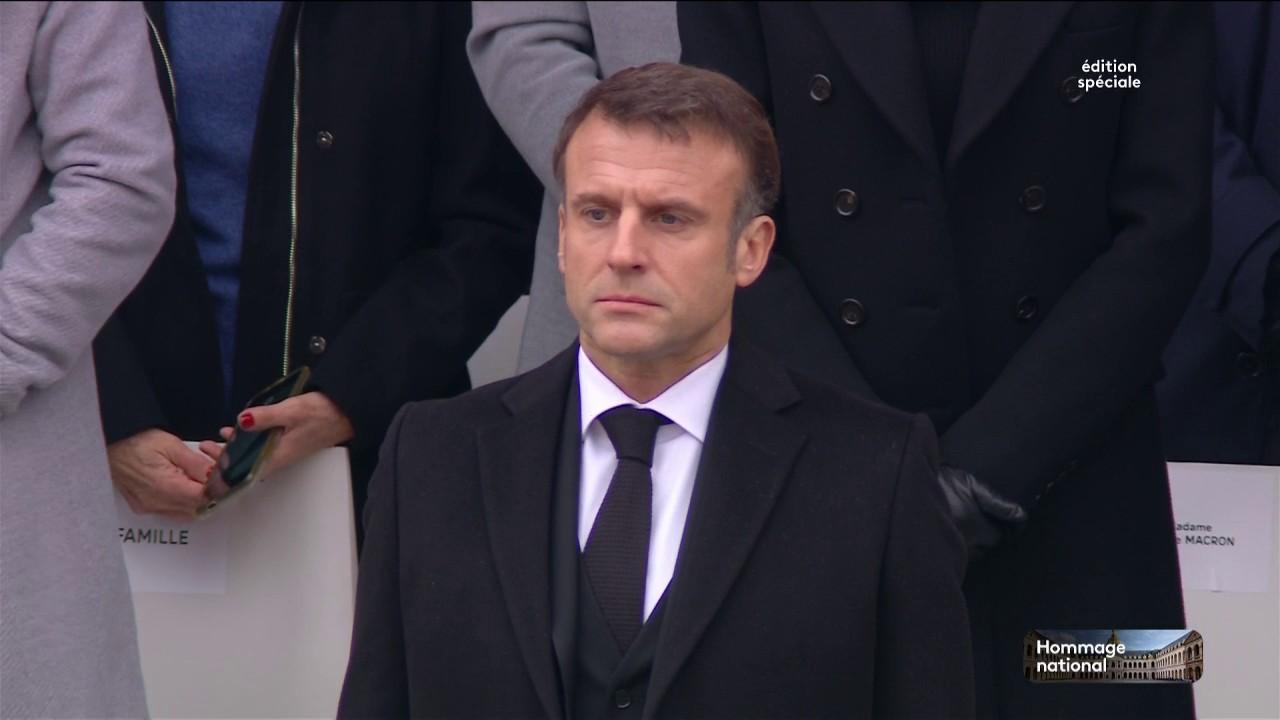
x=686, y=403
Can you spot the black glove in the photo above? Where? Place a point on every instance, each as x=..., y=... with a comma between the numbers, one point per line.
x=982, y=516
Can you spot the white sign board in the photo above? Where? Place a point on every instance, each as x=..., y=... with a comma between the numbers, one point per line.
x=251, y=618
x=1224, y=525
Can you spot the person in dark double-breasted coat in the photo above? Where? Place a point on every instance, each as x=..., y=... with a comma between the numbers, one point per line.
x=969, y=231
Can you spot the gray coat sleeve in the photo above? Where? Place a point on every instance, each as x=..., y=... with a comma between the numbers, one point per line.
x=533, y=61
x=89, y=175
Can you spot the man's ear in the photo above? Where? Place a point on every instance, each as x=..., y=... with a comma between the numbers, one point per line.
x=752, y=252
x=560, y=240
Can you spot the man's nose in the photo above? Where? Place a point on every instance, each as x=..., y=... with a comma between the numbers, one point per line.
x=628, y=250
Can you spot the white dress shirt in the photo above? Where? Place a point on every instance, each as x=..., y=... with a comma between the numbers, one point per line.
x=675, y=458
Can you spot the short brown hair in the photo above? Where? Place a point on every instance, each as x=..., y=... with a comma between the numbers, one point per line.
x=673, y=99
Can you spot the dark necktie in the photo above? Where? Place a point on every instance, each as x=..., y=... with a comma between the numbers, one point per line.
x=617, y=551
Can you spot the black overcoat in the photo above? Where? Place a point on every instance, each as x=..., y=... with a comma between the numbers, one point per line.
x=818, y=575
x=1220, y=400
x=1018, y=288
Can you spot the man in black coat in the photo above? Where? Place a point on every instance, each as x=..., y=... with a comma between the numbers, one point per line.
x=976, y=228
x=387, y=225
x=660, y=522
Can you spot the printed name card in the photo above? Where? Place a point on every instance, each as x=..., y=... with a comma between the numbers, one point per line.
x=1224, y=519
x=174, y=556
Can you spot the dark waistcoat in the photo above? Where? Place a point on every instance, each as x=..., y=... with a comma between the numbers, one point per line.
x=597, y=680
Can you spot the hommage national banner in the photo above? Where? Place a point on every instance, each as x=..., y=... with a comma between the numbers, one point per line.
x=1113, y=656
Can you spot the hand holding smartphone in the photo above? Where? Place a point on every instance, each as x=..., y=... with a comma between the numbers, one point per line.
x=245, y=455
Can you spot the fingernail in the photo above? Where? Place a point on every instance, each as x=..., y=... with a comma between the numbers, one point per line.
x=246, y=421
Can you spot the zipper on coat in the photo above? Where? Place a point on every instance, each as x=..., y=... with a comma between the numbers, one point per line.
x=168, y=68
x=293, y=192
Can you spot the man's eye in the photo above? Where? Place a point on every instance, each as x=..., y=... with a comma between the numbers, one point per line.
x=595, y=214
x=668, y=219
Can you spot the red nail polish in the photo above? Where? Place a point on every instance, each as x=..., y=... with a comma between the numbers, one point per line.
x=246, y=421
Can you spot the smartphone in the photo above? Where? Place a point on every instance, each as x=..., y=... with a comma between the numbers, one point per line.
x=246, y=452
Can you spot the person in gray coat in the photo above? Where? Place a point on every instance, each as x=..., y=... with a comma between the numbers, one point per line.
x=87, y=178
x=534, y=61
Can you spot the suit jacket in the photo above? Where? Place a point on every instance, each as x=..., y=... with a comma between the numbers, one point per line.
x=414, y=234
x=1220, y=401
x=534, y=61
x=87, y=174
x=818, y=575
x=1018, y=288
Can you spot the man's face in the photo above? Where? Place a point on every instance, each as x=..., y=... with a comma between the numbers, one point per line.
x=645, y=243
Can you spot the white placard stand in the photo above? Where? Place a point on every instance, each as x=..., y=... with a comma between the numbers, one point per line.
x=1241, y=629
x=275, y=644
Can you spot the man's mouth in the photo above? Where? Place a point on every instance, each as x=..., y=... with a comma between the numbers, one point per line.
x=627, y=300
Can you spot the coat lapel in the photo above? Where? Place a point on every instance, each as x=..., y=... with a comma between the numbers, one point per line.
x=1008, y=38
x=877, y=41
x=517, y=466
x=745, y=462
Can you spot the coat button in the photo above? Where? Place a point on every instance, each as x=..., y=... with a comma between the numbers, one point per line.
x=1032, y=199
x=622, y=699
x=820, y=88
x=1026, y=308
x=1249, y=364
x=317, y=344
x=324, y=139
x=852, y=313
x=1070, y=90
x=846, y=202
